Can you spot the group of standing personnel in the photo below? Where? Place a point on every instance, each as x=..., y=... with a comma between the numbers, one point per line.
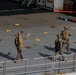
x=61, y=41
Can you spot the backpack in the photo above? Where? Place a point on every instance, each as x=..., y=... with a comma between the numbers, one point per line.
x=16, y=41
x=57, y=45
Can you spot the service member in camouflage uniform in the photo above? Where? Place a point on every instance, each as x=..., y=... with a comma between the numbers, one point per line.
x=58, y=47
x=19, y=45
x=65, y=36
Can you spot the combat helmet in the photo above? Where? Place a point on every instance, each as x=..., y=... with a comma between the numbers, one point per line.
x=65, y=27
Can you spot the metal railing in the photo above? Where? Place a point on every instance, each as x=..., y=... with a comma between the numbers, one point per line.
x=39, y=65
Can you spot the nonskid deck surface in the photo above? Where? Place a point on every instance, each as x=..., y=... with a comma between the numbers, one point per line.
x=43, y=26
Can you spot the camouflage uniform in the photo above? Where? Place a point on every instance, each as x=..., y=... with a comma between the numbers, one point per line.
x=19, y=45
x=58, y=47
x=65, y=36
